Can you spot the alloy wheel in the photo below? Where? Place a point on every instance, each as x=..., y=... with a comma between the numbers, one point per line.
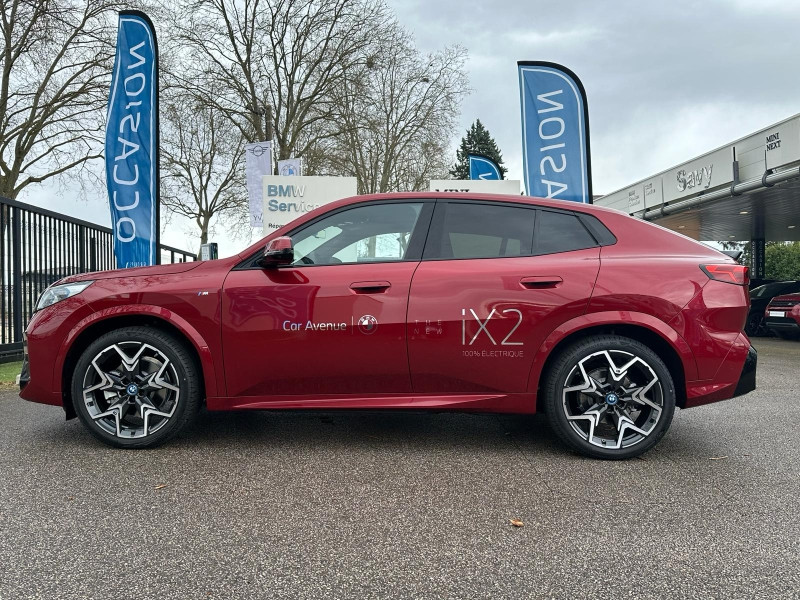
x=131, y=389
x=613, y=399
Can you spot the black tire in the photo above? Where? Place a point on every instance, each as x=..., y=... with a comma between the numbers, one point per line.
x=754, y=327
x=163, y=366
x=577, y=431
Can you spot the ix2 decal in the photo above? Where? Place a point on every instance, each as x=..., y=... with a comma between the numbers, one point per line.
x=483, y=326
x=485, y=329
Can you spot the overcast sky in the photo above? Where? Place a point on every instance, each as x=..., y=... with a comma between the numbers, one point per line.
x=665, y=81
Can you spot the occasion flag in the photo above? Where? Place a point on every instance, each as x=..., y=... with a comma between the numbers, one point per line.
x=483, y=167
x=258, y=163
x=555, y=133
x=132, y=143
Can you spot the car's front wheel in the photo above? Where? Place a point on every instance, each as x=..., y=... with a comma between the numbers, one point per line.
x=609, y=397
x=136, y=387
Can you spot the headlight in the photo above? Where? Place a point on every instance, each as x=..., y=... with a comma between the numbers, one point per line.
x=57, y=293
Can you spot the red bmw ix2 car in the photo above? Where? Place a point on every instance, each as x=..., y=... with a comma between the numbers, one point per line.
x=408, y=301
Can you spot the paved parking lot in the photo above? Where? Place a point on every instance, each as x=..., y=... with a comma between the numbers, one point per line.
x=366, y=505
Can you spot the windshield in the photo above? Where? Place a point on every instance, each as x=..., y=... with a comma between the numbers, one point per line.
x=771, y=289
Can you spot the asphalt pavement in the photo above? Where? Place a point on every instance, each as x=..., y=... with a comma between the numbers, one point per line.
x=397, y=505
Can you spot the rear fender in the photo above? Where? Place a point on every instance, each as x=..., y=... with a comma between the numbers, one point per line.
x=607, y=318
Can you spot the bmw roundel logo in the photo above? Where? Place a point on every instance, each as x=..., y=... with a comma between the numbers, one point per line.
x=367, y=324
x=132, y=389
x=612, y=399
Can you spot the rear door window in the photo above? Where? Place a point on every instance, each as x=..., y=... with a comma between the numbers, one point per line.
x=476, y=230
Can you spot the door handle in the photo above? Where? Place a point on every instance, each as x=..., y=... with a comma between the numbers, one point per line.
x=535, y=282
x=370, y=287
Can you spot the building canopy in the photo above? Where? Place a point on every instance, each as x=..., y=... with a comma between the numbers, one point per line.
x=746, y=190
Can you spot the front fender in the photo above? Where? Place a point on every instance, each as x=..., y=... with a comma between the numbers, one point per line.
x=613, y=317
x=158, y=312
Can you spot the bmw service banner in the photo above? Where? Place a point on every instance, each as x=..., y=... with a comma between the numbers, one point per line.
x=286, y=199
x=258, y=164
x=132, y=143
x=483, y=167
x=555, y=132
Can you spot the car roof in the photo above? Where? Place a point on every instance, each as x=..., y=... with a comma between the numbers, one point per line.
x=533, y=200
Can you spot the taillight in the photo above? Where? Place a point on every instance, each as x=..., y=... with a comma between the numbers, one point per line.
x=728, y=273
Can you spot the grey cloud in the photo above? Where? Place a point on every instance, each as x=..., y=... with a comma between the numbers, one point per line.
x=665, y=80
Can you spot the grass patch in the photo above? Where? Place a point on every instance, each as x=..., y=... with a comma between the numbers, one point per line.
x=9, y=372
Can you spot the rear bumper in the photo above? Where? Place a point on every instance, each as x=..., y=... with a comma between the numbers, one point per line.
x=747, y=380
x=735, y=377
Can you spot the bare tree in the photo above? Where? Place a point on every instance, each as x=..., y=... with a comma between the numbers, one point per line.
x=398, y=113
x=289, y=54
x=53, y=88
x=202, y=165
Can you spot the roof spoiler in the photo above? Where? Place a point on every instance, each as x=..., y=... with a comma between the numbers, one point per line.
x=734, y=254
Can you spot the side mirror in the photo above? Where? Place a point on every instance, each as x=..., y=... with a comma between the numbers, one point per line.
x=277, y=252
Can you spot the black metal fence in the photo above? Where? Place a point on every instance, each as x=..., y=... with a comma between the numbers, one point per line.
x=39, y=247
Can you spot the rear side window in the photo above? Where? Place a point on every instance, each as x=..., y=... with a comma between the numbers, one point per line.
x=560, y=232
x=472, y=230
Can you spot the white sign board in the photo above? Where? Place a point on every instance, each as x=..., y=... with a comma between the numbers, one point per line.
x=782, y=144
x=480, y=186
x=776, y=147
x=258, y=164
x=640, y=196
x=700, y=175
x=286, y=198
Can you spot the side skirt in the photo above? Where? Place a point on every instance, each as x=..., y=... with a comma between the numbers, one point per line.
x=506, y=403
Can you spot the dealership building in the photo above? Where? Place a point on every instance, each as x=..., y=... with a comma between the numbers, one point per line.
x=746, y=190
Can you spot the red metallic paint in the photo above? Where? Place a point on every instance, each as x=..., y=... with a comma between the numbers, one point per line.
x=236, y=320
x=271, y=350
x=607, y=319
x=722, y=386
x=447, y=348
x=144, y=310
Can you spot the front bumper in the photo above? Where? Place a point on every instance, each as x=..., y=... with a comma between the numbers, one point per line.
x=747, y=380
x=25, y=374
x=789, y=325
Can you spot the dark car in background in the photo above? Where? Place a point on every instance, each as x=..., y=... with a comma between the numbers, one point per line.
x=760, y=297
x=782, y=316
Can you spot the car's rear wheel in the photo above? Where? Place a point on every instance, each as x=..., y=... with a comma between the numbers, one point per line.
x=136, y=387
x=609, y=397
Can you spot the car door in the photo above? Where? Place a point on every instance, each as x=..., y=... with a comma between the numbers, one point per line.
x=495, y=280
x=332, y=322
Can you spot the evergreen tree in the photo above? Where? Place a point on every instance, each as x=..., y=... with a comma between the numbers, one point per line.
x=478, y=140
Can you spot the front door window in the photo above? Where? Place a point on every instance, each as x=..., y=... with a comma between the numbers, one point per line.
x=373, y=233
